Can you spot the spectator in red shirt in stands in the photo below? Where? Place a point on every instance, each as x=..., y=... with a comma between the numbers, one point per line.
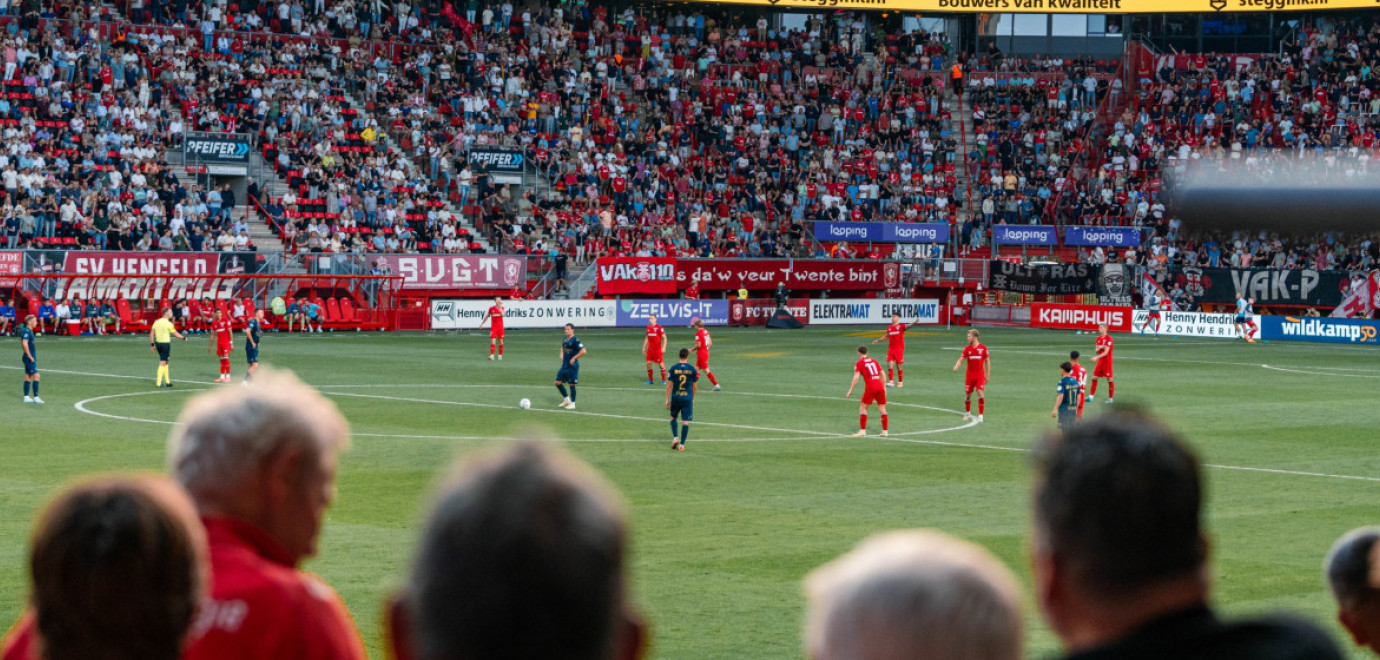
x=119, y=570
x=259, y=463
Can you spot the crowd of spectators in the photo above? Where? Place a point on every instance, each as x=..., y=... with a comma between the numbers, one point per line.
x=206, y=564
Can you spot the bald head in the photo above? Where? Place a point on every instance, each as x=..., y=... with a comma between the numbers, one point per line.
x=1352, y=575
x=913, y=594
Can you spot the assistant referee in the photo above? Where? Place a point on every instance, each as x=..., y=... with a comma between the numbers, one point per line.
x=160, y=341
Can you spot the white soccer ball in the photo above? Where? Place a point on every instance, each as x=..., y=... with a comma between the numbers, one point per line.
x=525, y=404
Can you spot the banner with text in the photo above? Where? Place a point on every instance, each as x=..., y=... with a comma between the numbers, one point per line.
x=1080, y=317
x=1192, y=324
x=797, y=274
x=621, y=275
x=881, y=232
x=1210, y=7
x=466, y=314
x=1024, y=235
x=672, y=313
x=1103, y=236
x=845, y=311
x=1042, y=279
x=1267, y=285
x=757, y=311
x=440, y=271
x=11, y=263
x=141, y=263
x=1327, y=330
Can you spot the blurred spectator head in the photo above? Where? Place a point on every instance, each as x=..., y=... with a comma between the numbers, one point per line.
x=119, y=567
x=913, y=594
x=1118, y=536
x=1350, y=570
x=523, y=556
x=264, y=454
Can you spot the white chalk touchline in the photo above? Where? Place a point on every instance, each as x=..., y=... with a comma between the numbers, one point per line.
x=1330, y=374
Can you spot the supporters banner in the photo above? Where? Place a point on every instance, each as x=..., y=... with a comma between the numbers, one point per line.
x=1267, y=285
x=467, y=313
x=140, y=263
x=648, y=275
x=757, y=311
x=797, y=274
x=150, y=288
x=672, y=313
x=1209, y=7
x=882, y=232
x=1080, y=317
x=1115, y=284
x=1192, y=324
x=1042, y=279
x=844, y=311
x=1103, y=236
x=11, y=263
x=1024, y=235
x=440, y=271
x=1361, y=298
x=1328, y=330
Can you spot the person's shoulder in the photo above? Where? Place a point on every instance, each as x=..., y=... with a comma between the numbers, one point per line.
x=1275, y=637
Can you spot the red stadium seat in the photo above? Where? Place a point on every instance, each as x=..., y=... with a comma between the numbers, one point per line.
x=333, y=311
x=347, y=311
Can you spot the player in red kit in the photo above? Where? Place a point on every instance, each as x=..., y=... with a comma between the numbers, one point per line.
x=1102, y=364
x=693, y=291
x=222, y=342
x=701, y=351
x=1079, y=374
x=654, y=347
x=896, y=349
x=874, y=389
x=495, y=330
x=975, y=380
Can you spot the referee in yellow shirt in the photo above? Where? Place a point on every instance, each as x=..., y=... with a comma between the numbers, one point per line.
x=160, y=342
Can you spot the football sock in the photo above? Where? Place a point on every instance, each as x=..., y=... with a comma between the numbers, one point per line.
x=225, y=366
x=491, y=349
x=663, y=375
x=1093, y=391
x=684, y=432
x=673, y=428
x=712, y=379
x=572, y=394
x=26, y=388
x=1111, y=390
x=982, y=406
x=649, y=375
x=862, y=422
x=888, y=375
x=900, y=374
x=564, y=394
x=884, y=420
x=35, y=388
x=500, y=349
x=968, y=405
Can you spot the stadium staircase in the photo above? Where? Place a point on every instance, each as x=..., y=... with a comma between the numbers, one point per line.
x=961, y=113
x=260, y=234
x=386, y=141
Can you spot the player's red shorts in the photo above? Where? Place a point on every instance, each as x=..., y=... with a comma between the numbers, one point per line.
x=1102, y=369
x=701, y=360
x=977, y=382
x=655, y=357
x=222, y=350
x=899, y=357
x=1153, y=315
x=874, y=394
x=495, y=333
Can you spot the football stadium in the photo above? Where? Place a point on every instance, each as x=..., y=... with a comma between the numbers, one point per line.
x=859, y=330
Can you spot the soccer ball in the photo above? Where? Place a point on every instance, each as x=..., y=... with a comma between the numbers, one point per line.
x=525, y=404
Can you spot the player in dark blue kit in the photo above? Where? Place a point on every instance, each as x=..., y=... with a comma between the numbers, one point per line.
x=1069, y=393
x=571, y=352
x=682, y=381
x=252, y=328
x=26, y=342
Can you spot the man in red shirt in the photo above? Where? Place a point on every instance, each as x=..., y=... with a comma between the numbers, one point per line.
x=259, y=463
x=975, y=378
x=222, y=343
x=496, y=330
x=874, y=389
x=701, y=351
x=896, y=349
x=654, y=347
x=1102, y=365
x=1080, y=374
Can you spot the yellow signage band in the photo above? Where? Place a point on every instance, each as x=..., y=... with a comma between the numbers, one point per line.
x=1064, y=6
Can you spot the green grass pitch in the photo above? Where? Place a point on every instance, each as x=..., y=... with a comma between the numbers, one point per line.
x=769, y=487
